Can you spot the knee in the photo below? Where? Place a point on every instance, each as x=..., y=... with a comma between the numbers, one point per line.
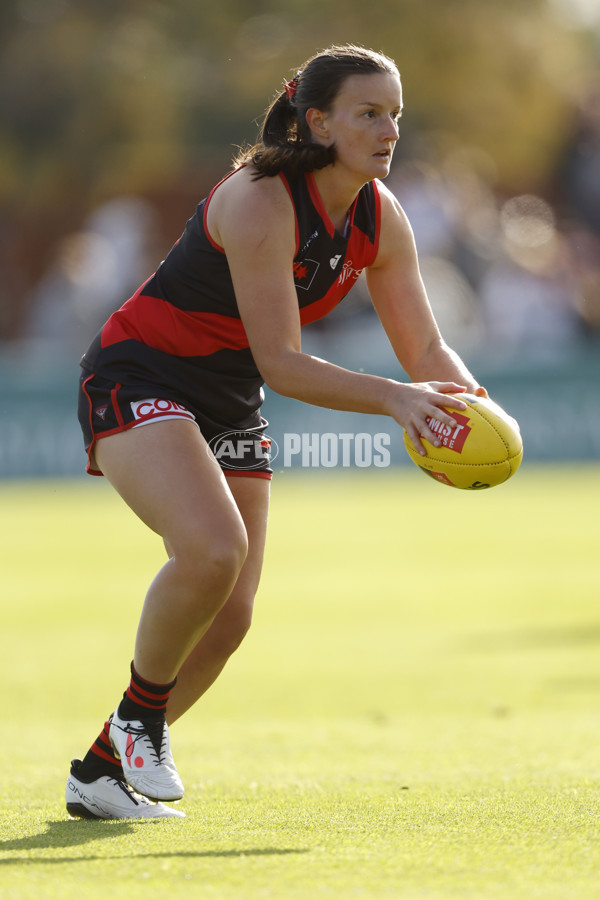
x=224, y=557
x=229, y=630
x=211, y=565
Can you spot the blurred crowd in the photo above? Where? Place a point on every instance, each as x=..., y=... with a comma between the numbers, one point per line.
x=512, y=274
x=509, y=275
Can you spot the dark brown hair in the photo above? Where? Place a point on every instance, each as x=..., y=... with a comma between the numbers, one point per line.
x=285, y=141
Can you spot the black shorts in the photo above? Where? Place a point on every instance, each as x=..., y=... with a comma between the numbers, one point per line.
x=107, y=407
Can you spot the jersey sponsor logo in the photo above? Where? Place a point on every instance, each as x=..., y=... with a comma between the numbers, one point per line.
x=348, y=272
x=155, y=408
x=308, y=242
x=335, y=260
x=243, y=449
x=452, y=436
x=304, y=273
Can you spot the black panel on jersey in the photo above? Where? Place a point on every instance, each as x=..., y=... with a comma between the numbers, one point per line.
x=181, y=332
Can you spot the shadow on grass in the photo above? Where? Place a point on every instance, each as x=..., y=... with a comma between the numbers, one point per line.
x=60, y=834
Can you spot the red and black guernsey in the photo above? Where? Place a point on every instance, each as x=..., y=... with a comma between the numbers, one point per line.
x=181, y=332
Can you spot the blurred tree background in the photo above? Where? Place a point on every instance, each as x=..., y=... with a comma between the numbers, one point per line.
x=102, y=99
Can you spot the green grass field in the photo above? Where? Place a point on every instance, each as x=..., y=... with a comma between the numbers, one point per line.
x=415, y=714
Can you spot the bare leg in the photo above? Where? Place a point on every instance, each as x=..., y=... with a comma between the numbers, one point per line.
x=223, y=637
x=167, y=476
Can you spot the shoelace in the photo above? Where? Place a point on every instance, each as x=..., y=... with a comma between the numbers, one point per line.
x=129, y=792
x=155, y=732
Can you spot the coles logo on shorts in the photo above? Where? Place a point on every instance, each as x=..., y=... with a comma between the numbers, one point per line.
x=146, y=410
x=452, y=436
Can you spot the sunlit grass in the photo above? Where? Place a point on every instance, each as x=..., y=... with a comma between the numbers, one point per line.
x=414, y=713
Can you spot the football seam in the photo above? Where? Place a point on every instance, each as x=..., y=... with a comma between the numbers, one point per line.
x=466, y=465
x=509, y=459
x=493, y=427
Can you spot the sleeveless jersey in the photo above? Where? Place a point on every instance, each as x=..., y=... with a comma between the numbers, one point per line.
x=181, y=332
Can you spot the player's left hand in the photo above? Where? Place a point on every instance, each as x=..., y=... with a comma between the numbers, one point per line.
x=414, y=405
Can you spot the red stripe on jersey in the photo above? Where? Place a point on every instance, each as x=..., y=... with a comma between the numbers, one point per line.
x=318, y=204
x=320, y=308
x=289, y=190
x=165, y=327
x=377, y=198
x=317, y=201
x=161, y=325
x=359, y=254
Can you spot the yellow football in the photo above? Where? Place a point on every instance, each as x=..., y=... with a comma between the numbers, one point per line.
x=483, y=449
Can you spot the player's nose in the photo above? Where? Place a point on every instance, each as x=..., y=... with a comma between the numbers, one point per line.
x=390, y=131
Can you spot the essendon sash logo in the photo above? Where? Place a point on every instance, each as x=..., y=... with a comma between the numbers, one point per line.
x=452, y=436
x=304, y=273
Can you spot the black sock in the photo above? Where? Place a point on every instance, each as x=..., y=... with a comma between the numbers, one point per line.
x=100, y=759
x=143, y=699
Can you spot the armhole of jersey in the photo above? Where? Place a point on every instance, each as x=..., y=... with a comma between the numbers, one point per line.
x=289, y=190
x=205, y=212
x=377, y=198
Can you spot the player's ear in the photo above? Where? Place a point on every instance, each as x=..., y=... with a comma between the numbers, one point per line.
x=316, y=120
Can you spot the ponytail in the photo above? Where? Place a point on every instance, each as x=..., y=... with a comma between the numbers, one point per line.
x=280, y=146
x=285, y=141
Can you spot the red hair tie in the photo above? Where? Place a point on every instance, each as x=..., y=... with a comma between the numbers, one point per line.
x=290, y=88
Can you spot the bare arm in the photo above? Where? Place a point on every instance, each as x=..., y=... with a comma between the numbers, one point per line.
x=399, y=297
x=255, y=224
x=401, y=302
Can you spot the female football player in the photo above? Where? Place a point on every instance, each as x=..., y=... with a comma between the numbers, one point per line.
x=277, y=244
